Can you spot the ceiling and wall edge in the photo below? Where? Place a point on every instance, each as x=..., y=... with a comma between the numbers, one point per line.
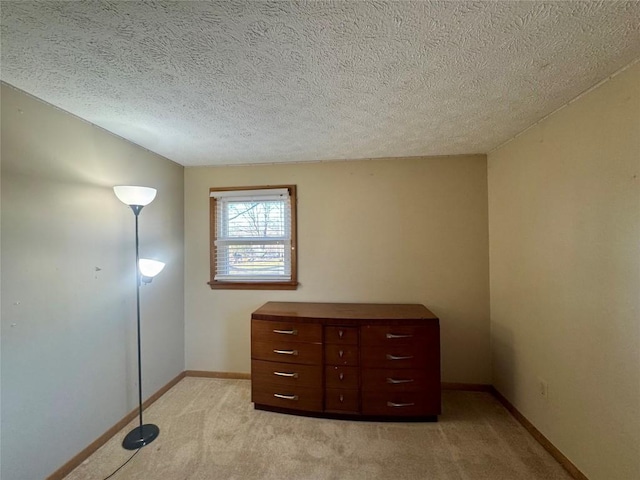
x=444, y=155
x=83, y=120
x=577, y=97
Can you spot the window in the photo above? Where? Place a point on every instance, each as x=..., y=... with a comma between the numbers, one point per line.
x=253, y=238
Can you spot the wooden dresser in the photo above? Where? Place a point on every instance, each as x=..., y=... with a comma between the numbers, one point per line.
x=346, y=360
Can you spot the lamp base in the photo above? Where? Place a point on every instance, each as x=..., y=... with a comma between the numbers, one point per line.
x=140, y=436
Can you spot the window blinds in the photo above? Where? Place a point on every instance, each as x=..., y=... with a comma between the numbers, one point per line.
x=253, y=235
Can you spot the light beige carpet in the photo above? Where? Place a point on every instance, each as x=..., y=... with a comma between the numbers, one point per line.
x=209, y=431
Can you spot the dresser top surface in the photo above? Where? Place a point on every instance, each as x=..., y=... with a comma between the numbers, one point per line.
x=342, y=311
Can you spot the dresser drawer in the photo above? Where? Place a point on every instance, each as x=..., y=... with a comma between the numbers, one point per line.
x=341, y=354
x=267, y=331
x=341, y=377
x=298, y=398
x=341, y=335
x=373, y=335
x=401, y=403
x=342, y=400
x=287, y=352
x=286, y=374
x=398, y=380
x=401, y=356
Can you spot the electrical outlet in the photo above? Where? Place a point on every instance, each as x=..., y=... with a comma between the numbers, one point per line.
x=543, y=388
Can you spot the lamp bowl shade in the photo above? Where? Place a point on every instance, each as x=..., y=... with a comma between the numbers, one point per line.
x=134, y=195
x=150, y=268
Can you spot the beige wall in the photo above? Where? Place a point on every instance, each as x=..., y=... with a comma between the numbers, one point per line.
x=564, y=224
x=69, y=366
x=400, y=230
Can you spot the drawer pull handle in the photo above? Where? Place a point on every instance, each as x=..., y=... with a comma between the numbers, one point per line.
x=285, y=397
x=286, y=332
x=395, y=405
x=287, y=374
x=340, y=333
x=341, y=398
x=341, y=353
x=341, y=376
x=286, y=352
x=395, y=381
x=398, y=335
x=398, y=357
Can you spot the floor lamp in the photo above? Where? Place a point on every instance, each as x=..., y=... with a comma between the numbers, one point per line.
x=146, y=269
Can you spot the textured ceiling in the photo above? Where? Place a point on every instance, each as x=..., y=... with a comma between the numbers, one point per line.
x=228, y=82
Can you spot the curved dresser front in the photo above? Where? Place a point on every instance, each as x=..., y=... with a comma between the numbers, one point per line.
x=346, y=360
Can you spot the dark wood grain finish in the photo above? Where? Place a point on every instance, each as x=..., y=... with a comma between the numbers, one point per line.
x=341, y=355
x=341, y=377
x=400, y=403
x=342, y=400
x=263, y=331
x=286, y=374
x=295, y=398
x=346, y=313
x=402, y=356
x=373, y=335
x=341, y=335
x=376, y=361
x=397, y=380
x=288, y=352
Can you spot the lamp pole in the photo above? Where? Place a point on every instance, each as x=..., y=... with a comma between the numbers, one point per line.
x=143, y=434
x=137, y=198
x=136, y=211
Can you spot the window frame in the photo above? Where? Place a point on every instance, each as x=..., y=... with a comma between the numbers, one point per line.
x=253, y=285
